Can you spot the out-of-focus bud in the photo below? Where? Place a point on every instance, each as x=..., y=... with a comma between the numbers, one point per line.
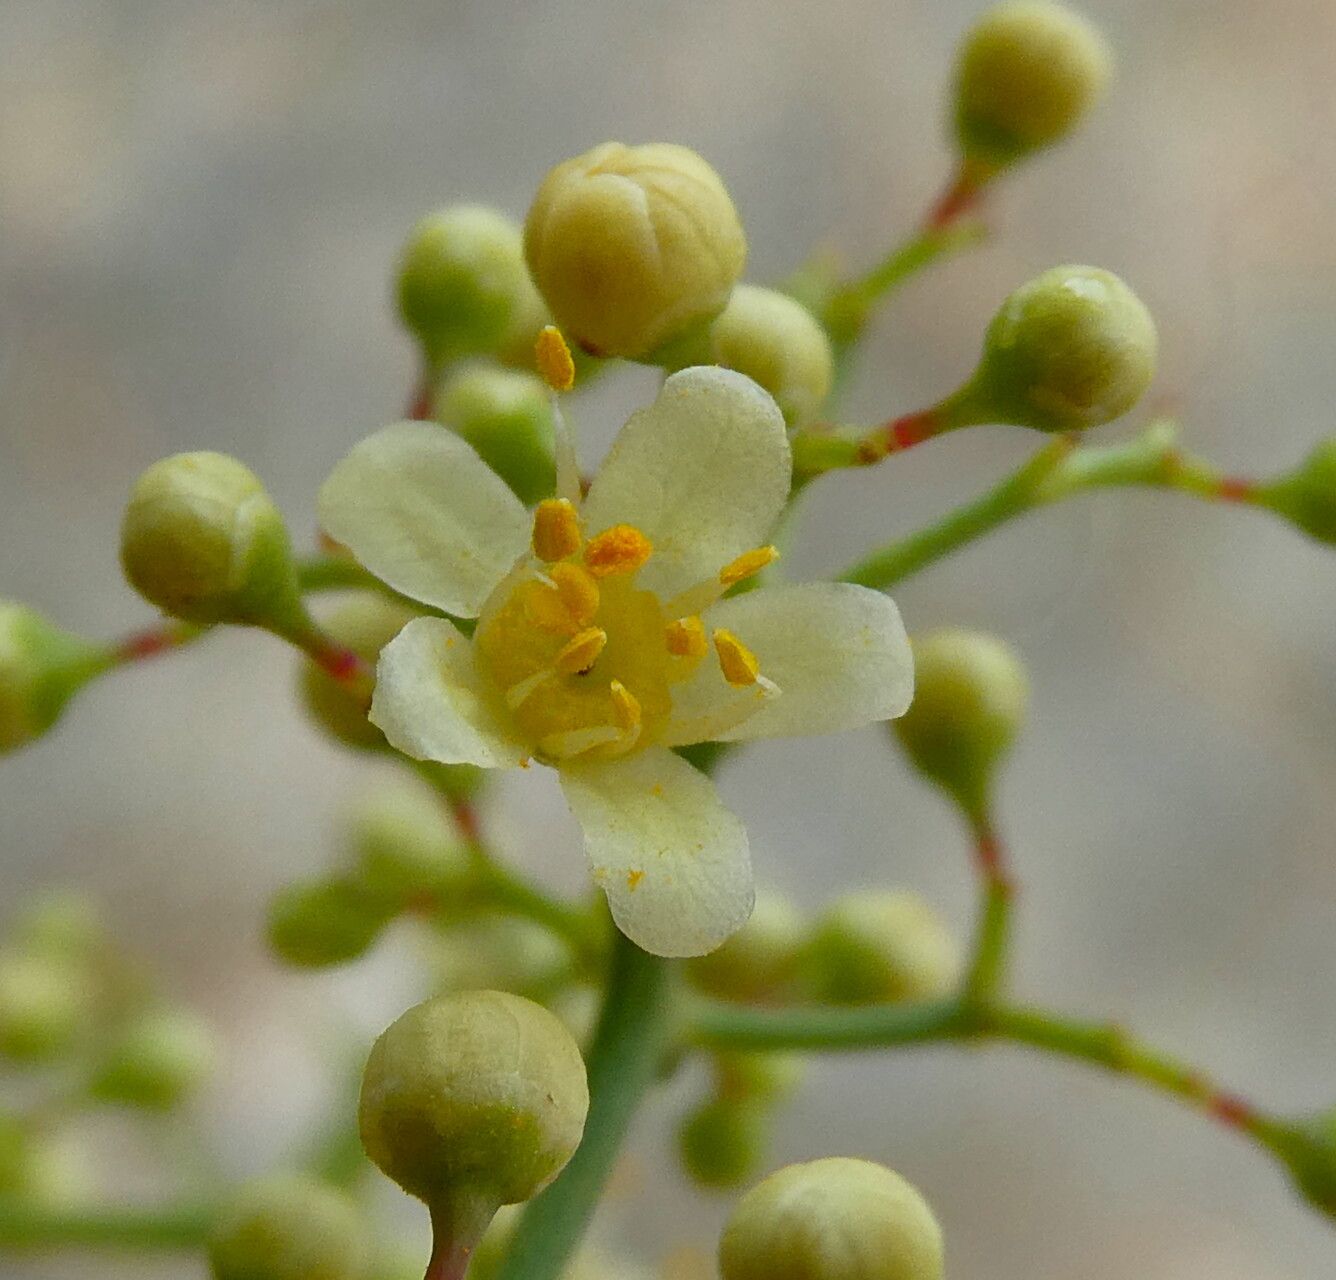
x=777, y=343
x=633, y=246
x=462, y=282
x=1027, y=73
x=203, y=541
x=45, y=1004
x=34, y=1169
x=404, y=848
x=317, y=923
x=969, y=702
x=832, y=1219
x=41, y=668
x=289, y=1228
x=761, y=959
x=765, y=1077
x=508, y=953
x=882, y=946
x=60, y=922
x=722, y=1143
x=507, y=417
x=1307, y=495
x=156, y=1061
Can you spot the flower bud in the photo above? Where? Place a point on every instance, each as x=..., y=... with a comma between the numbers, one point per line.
x=1307, y=495
x=289, y=1228
x=832, y=1219
x=1027, y=72
x=45, y=1003
x=633, y=246
x=59, y=922
x=34, y=1169
x=722, y=1143
x=969, y=702
x=758, y=961
x=1074, y=348
x=765, y=1077
x=405, y=850
x=41, y=669
x=317, y=923
x=475, y=1097
x=507, y=417
x=462, y=282
x=507, y=953
x=880, y=946
x=203, y=541
x=777, y=343
x=156, y=1062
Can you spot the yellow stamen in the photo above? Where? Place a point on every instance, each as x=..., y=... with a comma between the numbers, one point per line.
x=625, y=707
x=518, y=693
x=554, y=361
x=736, y=661
x=685, y=638
x=544, y=607
x=578, y=592
x=581, y=652
x=747, y=564
x=621, y=549
x=556, y=529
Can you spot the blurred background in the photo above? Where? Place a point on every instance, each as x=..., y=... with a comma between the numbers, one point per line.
x=200, y=207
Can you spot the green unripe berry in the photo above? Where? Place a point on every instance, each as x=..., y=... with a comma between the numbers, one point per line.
x=722, y=1143
x=289, y=1228
x=882, y=946
x=507, y=417
x=41, y=668
x=203, y=541
x=1027, y=72
x=970, y=693
x=758, y=961
x=156, y=1062
x=45, y=1003
x=405, y=850
x=316, y=923
x=478, y=1096
x=462, y=281
x=1307, y=495
x=832, y=1219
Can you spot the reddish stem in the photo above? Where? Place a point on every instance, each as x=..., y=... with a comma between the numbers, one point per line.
x=961, y=196
x=898, y=434
x=990, y=861
x=419, y=406
x=1237, y=489
x=151, y=642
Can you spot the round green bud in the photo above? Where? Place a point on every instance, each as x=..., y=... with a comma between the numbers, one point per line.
x=479, y=1095
x=364, y=623
x=882, y=946
x=722, y=1143
x=203, y=541
x=633, y=246
x=317, y=923
x=45, y=1004
x=969, y=702
x=758, y=961
x=1307, y=495
x=507, y=417
x=832, y=1219
x=289, y=1228
x=462, y=281
x=1074, y=348
x=156, y=1061
x=765, y=1077
x=41, y=668
x=61, y=922
x=1027, y=72
x=777, y=343
x=507, y=953
x=34, y=1169
x=16, y=1156
x=405, y=850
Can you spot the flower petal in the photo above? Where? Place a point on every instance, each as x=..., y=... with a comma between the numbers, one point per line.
x=672, y=860
x=429, y=702
x=838, y=653
x=703, y=472
x=424, y=513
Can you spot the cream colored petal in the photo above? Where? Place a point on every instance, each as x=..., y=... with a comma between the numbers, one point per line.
x=424, y=513
x=704, y=472
x=430, y=704
x=671, y=859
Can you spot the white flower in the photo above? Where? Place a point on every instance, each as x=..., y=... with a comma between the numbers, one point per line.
x=592, y=652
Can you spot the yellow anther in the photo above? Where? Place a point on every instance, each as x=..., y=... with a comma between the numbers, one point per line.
x=621, y=549
x=578, y=592
x=685, y=638
x=748, y=563
x=581, y=652
x=625, y=707
x=544, y=607
x=736, y=661
x=554, y=361
x=556, y=529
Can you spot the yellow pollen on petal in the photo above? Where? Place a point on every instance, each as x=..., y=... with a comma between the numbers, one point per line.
x=748, y=563
x=736, y=661
x=578, y=591
x=581, y=652
x=553, y=357
x=620, y=549
x=556, y=529
x=633, y=879
x=625, y=707
x=685, y=638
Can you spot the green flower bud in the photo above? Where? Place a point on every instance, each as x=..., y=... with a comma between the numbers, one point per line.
x=633, y=246
x=61, y=922
x=758, y=961
x=289, y=1228
x=365, y=623
x=317, y=923
x=405, y=850
x=45, y=1003
x=765, y=1077
x=507, y=953
x=157, y=1061
x=1028, y=71
x=507, y=417
x=203, y=541
x=476, y=1097
x=1307, y=495
x=34, y=1169
x=832, y=1219
x=723, y=1142
x=16, y=1151
x=462, y=282
x=882, y=946
x=969, y=702
x=41, y=669
x=777, y=343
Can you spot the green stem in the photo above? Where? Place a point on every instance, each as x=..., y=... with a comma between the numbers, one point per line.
x=992, y=938
x=715, y=1024
x=27, y=1226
